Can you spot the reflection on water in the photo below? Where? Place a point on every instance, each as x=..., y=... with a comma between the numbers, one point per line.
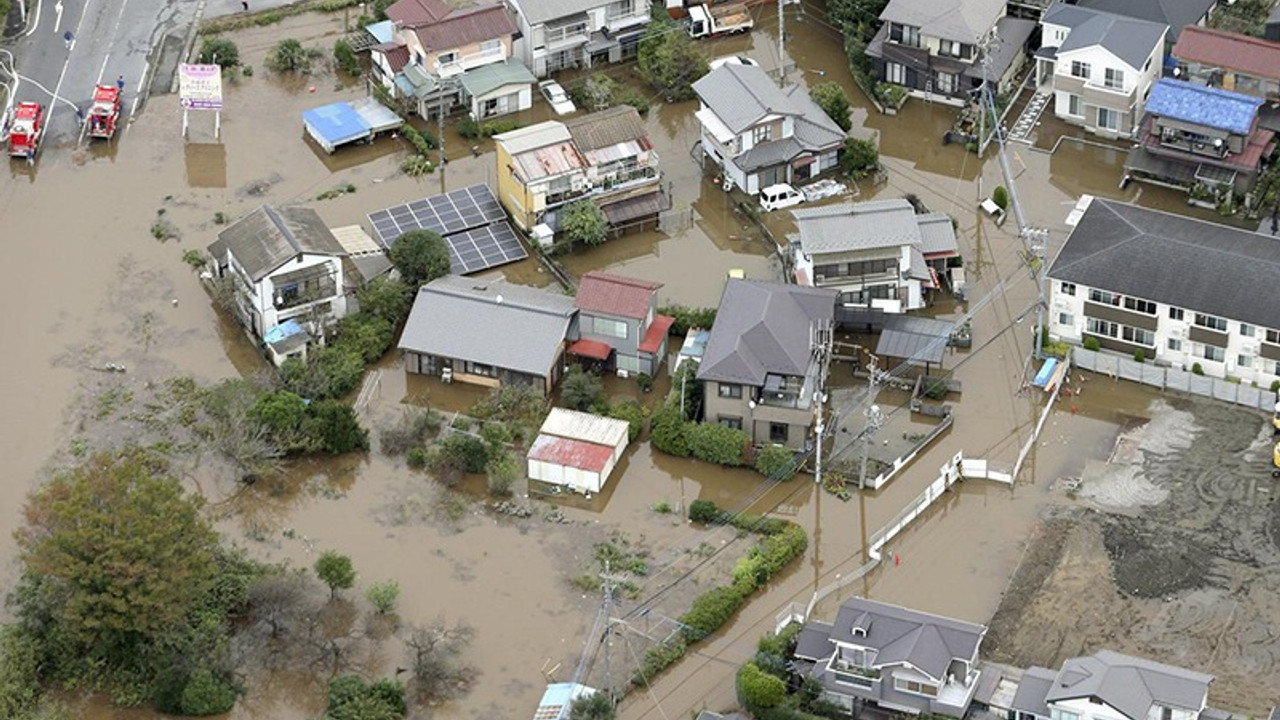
x=206, y=165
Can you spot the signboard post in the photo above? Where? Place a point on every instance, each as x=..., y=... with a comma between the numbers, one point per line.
x=200, y=88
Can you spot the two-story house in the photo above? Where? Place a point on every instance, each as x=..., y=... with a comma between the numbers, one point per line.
x=879, y=254
x=1111, y=686
x=898, y=659
x=442, y=56
x=1241, y=63
x=936, y=51
x=284, y=264
x=757, y=373
x=760, y=134
x=619, y=325
x=605, y=156
x=1174, y=14
x=1194, y=135
x=559, y=34
x=1183, y=291
x=1099, y=66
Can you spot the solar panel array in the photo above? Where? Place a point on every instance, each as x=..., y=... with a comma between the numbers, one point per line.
x=470, y=220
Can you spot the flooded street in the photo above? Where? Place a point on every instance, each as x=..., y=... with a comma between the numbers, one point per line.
x=90, y=284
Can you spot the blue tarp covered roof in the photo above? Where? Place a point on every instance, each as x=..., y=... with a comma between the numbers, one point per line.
x=337, y=123
x=1201, y=105
x=284, y=331
x=383, y=31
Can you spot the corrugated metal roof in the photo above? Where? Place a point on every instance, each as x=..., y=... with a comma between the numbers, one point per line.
x=269, y=237
x=1200, y=105
x=857, y=226
x=571, y=453
x=533, y=137
x=574, y=425
x=937, y=235
x=466, y=27
x=614, y=126
x=547, y=161
x=487, y=78
x=355, y=240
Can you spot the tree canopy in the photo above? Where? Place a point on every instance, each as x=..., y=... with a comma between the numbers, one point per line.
x=335, y=570
x=421, y=256
x=582, y=221
x=669, y=61
x=831, y=98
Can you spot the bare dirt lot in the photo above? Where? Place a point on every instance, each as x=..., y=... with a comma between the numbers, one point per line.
x=1192, y=579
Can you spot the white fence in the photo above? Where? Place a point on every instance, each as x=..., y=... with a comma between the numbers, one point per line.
x=883, y=478
x=1171, y=378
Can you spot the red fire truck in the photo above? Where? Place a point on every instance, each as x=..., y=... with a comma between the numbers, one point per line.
x=27, y=128
x=104, y=113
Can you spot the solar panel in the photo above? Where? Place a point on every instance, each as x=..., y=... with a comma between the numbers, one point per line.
x=458, y=211
x=484, y=247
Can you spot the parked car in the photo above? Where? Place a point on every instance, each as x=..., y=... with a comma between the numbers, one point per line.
x=733, y=60
x=556, y=97
x=782, y=195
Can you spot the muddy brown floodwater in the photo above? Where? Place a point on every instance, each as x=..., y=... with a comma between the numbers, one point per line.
x=89, y=284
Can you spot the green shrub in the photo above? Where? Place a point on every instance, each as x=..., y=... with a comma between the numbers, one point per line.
x=686, y=318
x=658, y=658
x=1139, y=355
x=496, y=433
x=1275, y=386
x=366, y=334
x=385, y=298
x=1197, y=369
x=423, y=142
x=776, y=462
x=831, y=98
x=351, y=698
x=467, y=453
x=290, y=57
x=206, y=694
x=716, y=443
x=20, y=664
x=582, y=221
x=503, y=470
x=329, y=372
x=383, y=596
x=332, y=426
x=711, y=610
x=345, y=58
x=668, y=433
x=218, y=51
x=472, y=130
x=1091, y=343
x=662, y=507
x=644, y=381
x=631, y=411
x=416, y=458
x=860, y=157
x=758, y=689
x=581, y=390
x=705, y=512
x=1000, y=196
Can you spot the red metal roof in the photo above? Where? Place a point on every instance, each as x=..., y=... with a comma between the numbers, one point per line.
x=591, y=348
x=571, y=453
x=440, y=27
x=397, y=55
x=656, y=333
x=609, y=294
x=412, y=13
x=1255, y=56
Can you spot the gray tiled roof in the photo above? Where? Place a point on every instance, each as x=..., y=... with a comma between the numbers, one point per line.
x=1032, y=689
x=937, y=234
x=814, y=128
x=1130, y=39
x=763, y=328
x=740, y=95
x=462, y=318
x=1176, y=14
x=857, y=226
x=269, y=237
x=1129, y=684
x=962, y=20
x=814, y=642
x=616, y=125
x=541, y=11
x=770, y=153
x=928, y=642
x=1192, y=264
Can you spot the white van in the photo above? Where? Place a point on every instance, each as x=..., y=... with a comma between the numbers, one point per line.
x=782, y=195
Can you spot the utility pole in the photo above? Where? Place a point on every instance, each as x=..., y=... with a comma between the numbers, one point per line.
x=782, y=37
x=821, y=339
x=874, y=419
x=1039, y=240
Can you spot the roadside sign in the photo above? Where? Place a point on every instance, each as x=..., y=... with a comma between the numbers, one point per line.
x=200, y=86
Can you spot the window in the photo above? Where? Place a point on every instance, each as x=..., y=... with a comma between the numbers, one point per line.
x=474, y=368
x=1068, y=288
x=1066, y=319
x=1104, y=297
x=1073, y=106
x=761, y=134
x=779, y=432
x=1246, y=330
x=610, y=328
x=1108, y=119
x=952, y=48
x=446, y=58
x=1138, y=336
x=1175, y=345
x=946, y=83
x=905, y=34
x=1273, y=337
x=1211, y=322
x=619, y=9
x=1113, y=78
x=730, y=391
x=728, y=421
x=1166, y=713
x=1175, y=313
x=915, y=687
x=1057, y=714
x=895, y=73
x=1213, y=353
x=1143, y=306
x=1079, y=69
x=490, y=46
x=1244, y=361
x=1102, y=327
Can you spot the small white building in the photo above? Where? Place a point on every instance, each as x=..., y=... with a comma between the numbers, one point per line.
x=577, y=450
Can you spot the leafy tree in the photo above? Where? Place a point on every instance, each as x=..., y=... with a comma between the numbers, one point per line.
x=335, y=570
x=115, y=556
x=20, y=658
x=289, y=56
x=503, y=471
x=831, y=98
x=218, y=51
x=582, y=221
x=383, y=596
x=775, y=461
x=366, y=335
x=669, y=61
x=859, y=158
x=385, y=298
x=206, y=694
x=421, y=256
x=581, y=390
x=466, y=453
x=758, y=689
x=351, y=698
x=596, y=706
x=345, y=58
x=633, y=412
x=333, y=427
x=668, y=432
x=282, y=413
x=705, y=512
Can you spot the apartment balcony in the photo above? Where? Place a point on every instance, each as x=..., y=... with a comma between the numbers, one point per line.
x=959, y=692
x=615, y=23
x=564, y=36
x=470, y=61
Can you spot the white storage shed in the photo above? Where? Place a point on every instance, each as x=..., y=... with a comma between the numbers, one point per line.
x=577, y=450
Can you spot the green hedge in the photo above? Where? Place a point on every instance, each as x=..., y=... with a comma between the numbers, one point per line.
x=668, y=433
x=776, y=462
x=687, y=317
x=716, y=443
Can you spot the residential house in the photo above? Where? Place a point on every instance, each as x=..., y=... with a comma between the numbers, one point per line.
x=605, y=156
x=1099, y=66
x=559, y=34
x=438, y=53
x=619, y=325
x=539, y=170
x=757, y=373
x=760, y=134
x=284, y=265
x=1241, y=63
x=1183, y=291
x=936, y=50
x=622, y=166
x=898, y=659
x=1176, y=14
x=488, y=333
x=1111, y=686
x=1195, y=135
x=879, y=254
